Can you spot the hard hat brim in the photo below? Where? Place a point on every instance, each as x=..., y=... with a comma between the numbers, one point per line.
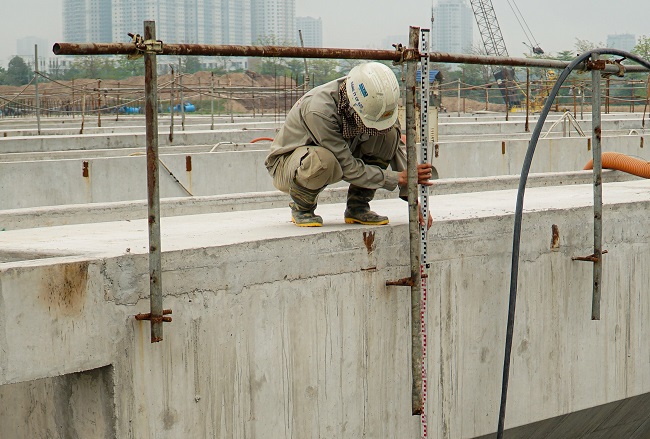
x=380, y=125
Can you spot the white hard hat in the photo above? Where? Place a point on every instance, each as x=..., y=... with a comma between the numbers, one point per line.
x=373, y=92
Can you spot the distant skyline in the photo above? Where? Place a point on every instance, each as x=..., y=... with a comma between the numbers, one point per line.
x=366, y=23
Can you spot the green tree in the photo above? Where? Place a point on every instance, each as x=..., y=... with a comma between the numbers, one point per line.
x=127, y=68
x=565, y=55
x=583, y=46
x=642, y=47
x=272, y=65
x=323, y=70
x=296, y=68
x=190, y=64
x=93, y=67
x=3, y=74
x=18, y=72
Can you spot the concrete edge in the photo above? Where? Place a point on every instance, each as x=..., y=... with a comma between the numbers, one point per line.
x=15, y=219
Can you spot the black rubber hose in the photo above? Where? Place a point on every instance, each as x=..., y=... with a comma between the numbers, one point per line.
x=514, y=271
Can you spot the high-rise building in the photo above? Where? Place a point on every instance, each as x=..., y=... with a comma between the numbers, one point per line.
x=241, y=22
x=453, y=28
x=25, y=46
x=274, y=22
x=621, y=41
x=236, y=22
x=87, y=21
x=311, y=29
x=178, y=21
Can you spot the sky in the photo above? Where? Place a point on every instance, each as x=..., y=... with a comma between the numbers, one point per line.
x=555, y=24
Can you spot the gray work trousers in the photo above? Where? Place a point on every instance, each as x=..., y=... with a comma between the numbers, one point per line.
x=314, y=167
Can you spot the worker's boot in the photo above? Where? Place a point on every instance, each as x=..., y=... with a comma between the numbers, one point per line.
x=303, y=206
x=358, y=208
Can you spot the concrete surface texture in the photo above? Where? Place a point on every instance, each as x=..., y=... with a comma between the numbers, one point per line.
x=284, y=332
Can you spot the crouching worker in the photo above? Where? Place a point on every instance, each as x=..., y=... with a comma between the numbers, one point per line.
x=344, y=130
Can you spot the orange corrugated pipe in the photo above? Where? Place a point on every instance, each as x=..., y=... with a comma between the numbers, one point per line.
x=259, y=139
x=622, y=162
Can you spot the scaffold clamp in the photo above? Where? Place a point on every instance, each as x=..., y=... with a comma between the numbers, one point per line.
x=143, y=46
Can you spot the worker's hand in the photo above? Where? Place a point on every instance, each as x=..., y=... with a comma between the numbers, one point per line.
x=425, y=171
x=429, y=218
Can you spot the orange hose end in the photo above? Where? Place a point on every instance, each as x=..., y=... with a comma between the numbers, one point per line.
x=622, y=162
x=259, y=139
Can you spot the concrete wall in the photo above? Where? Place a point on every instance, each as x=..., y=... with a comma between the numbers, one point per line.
x=33, y=183
x=286, y=332
x=57, y=182
x=128, y=140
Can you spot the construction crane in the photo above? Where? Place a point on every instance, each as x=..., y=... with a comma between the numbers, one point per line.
x=488, y=26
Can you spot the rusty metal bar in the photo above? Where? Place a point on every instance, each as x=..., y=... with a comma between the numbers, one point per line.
x=147, y=316
x=318, y=52
x=181, y=96
x=171, y=107
x=598, y=190
x=417, y=397
x=212, y=101
x=38, y=100
x=153, y=187
x=404, y=282
x=527, y=126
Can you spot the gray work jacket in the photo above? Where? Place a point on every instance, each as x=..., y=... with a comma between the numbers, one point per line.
x=314, y=120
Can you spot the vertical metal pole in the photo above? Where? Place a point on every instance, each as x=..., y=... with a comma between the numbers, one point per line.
x=99, y=103
x=200, y=95
x=230, y=104
x=487, y=98
x=38, y=101
x=645, y=107
x=211, y=100
x=598, y=190
x=607, y=96
x=73, y=106
x=505, y=82
x=171, y=107
x=117, y=110
x=527, y=127
x=458, y=97
x=153, y=188
x=582, y=101
x=83, y=110
x=219, y=100
x=180, y=93
x=306, y=77
x=417, y=398
x=463, y=92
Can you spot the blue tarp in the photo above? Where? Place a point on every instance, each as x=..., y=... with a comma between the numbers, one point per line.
x=433, y=75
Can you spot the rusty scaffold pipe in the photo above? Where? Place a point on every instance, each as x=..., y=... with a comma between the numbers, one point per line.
x=401, y=54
